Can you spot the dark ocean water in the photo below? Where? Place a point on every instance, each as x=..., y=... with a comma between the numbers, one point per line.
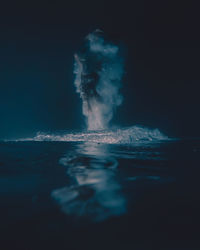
x=79, y=195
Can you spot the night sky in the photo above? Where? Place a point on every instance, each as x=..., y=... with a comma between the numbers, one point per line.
x=160, y=42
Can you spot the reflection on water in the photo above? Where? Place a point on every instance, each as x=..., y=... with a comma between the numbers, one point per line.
x=94, y=191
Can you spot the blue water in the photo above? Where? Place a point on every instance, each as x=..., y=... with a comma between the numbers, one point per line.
x=92, y=195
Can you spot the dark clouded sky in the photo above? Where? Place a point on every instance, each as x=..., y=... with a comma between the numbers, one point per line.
x=161, y=44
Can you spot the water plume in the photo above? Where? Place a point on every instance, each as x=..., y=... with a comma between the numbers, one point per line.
x=98, y=73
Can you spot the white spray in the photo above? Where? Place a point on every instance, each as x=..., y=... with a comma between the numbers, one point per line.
x=98, y=73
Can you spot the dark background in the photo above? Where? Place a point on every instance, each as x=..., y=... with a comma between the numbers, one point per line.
x=161, y=45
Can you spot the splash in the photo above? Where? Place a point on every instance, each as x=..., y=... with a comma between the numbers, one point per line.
x=98, y=72
x=130, y=135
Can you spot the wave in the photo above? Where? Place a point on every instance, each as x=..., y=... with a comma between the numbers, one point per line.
x=128, y=135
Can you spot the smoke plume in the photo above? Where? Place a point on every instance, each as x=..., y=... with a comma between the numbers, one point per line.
x=98, y=72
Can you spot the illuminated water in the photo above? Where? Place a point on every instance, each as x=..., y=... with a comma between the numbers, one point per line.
x=92, y=195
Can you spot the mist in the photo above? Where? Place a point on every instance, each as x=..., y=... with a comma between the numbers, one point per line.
x=98, y=70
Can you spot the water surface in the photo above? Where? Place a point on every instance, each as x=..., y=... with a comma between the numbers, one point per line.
x=88, y=195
